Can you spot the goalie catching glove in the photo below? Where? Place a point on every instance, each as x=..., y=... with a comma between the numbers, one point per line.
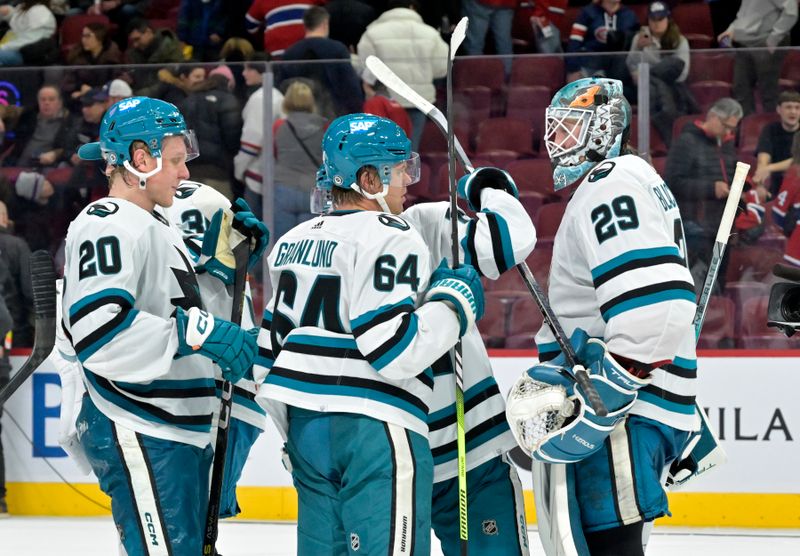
x=231, y=347
x=471, y=185
x=461, y=288
x=548, y=412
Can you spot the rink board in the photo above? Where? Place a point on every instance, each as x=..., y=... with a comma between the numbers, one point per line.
x=751, y=399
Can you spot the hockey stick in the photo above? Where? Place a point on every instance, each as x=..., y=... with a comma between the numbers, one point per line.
x=43, y=282
x=241, y=254
x=456, y=39
x=705, y=452
x=400, y=87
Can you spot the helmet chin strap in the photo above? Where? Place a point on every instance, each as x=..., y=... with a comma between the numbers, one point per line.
x=379, y=197
x=143, y=176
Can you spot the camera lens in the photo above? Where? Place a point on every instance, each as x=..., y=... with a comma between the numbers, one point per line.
x=790, y=305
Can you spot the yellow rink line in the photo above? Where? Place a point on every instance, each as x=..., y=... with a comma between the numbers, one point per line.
x=689, y=509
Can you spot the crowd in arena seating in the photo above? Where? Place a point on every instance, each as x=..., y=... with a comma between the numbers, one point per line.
x=710, y=100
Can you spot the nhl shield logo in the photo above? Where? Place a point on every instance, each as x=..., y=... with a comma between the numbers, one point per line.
x=355, y=542
x=489, y=527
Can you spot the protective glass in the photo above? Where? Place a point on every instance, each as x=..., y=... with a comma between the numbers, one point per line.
x=566, y=130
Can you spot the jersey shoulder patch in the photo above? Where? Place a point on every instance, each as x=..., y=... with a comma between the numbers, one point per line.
x=102, y=208
x=393, y=221
x=601, y=171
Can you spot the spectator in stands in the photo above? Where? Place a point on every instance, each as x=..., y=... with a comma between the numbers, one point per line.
x=381, y=104
x=700, y=166
x=30, y=203
x=661, y=45
x=117, y=89
x=86, y=183
x=177, y=81
x=298, y=155
x=497, y=15
x=29, y=22
x=337, y=87
x=149, y=46
x=95, y=49
x=602, y=27
x=786, y=210
x=413, y=50
x=281, y=21
x=248, y=165
x=214, y=112
x=41, y=134
x=349, y=20
x=774, y=151
x=120, y=12
x=202, y=24
x=758, y=24
x=545, y=18
x=16, y=288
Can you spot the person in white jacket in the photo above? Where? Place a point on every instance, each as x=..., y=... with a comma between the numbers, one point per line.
x=412, y=49
x=30, y=21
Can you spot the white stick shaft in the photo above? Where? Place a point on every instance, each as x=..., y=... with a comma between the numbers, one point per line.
x=733, y=202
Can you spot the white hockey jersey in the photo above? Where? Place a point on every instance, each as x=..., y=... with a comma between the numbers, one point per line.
x=217, y=298
x=499, y=237
x=126, y=272
x=344, y=331
x=618, y=271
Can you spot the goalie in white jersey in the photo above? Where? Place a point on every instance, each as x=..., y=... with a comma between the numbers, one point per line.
x=133, y=314
x=347, y=342
x=620, y=287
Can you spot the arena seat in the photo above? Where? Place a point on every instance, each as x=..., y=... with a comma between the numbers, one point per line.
x=548, y=219
x=718, y=328
x=528, y=103
x=525, y=317
x=533, y=174
x=504, y=134
x=710, y=66
x=547, y=71
x=694, y=17
x=493, y=324
x=708, y=92
x=472, y=106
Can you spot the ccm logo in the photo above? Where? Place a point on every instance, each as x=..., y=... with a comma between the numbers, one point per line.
x=151, y=529
x=583, y=442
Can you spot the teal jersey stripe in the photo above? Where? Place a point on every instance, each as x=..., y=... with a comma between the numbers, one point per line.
x=684, y=409
x=650, y=299
x=124, y=403
x=634, y=255
x=505, y=239
x=107, y=337
x=400, y=346
x=685, y=363
x=324, y=341
x=471, y=392
x=369, y=315
x=347, y=391
x=247, y=403
x=264, y=361
x=134, y=387
x=110, y=292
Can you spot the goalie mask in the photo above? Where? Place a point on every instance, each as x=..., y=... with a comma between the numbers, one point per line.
x=587, y=121
x=358, y=140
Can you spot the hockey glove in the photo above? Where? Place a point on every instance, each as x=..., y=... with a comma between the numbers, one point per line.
x=462, y=289
x=216, y=256
x=226, y=344
x=246, y=223
x=471, y=185
x=586, y=432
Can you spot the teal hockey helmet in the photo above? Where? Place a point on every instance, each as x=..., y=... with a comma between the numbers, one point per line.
x=357, y=140
x=587, y=121
x=143, y=119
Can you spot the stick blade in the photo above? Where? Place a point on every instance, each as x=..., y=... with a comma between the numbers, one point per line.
x=385, y=75
x=43, y=282
x=458, y=36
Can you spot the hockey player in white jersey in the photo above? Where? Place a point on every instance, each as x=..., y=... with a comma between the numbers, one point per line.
x=198, y=212
x=620, y=287
x=347, y=342
x=499, y=236
x=133, y=313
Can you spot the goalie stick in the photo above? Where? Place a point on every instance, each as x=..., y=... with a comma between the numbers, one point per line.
x=43, y=282
x=386, y=76
x=459, y=33
x=704, y=451
x=241, y=254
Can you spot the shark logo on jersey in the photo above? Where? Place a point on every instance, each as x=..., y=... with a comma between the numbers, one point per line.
x=394, y=222
x=601, y=171
x=185, y=191
x=187, y=281
x=103, y=209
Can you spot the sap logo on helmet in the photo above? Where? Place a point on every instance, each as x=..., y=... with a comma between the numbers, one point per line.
x=130, y=103
x=361, y=125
